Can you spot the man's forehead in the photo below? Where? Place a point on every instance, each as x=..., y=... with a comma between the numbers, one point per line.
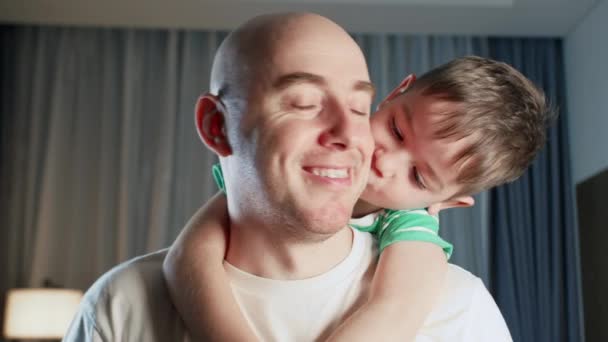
x=322, y=64
x=319, y=53
x=305, y=66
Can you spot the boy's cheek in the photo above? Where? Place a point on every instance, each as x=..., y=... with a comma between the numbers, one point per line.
x=379, y=130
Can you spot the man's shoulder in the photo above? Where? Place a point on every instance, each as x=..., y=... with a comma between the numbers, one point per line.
x=462, y=281
x=466, y=310
x=457, y=297
x=132, y=278
x=141, y=268
x=129, y=302
x=132, y=281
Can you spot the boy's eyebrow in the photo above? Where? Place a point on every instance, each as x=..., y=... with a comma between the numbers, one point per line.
x=405, y=109
x=422, y=165
x=430, y=174
x=304, y=77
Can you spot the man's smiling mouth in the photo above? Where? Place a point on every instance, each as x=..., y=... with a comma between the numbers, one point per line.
x=330, y=173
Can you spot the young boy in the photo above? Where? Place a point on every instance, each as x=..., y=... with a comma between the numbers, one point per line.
x=463, y=127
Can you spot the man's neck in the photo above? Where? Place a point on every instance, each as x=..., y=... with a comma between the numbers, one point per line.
x=259, y=250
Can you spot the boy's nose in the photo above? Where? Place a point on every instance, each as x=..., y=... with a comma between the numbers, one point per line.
x=388, y=164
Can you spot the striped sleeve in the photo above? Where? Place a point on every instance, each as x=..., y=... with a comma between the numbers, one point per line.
x=410, y=225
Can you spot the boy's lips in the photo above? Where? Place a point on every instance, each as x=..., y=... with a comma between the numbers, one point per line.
x=374, y=168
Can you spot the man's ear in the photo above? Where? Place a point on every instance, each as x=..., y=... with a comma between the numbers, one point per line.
x=210, y=124
x=456, y=202
x=401, y=88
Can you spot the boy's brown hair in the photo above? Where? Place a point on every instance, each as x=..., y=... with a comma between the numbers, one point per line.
x=504, y=111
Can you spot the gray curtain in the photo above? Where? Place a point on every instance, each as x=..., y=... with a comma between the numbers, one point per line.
x=100, y=161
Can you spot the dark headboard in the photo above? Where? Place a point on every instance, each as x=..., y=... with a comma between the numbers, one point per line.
x=592, y=199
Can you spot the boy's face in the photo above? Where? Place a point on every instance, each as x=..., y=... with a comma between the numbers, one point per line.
x=410, y=167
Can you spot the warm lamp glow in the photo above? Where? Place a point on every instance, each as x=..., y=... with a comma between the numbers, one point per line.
x=40, y=313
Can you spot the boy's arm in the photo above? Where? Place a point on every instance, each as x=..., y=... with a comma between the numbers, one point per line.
x=197, y=282
x=408, y=280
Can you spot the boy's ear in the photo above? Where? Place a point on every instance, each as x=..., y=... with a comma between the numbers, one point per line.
x=401, y=88
x=210, y=124
x=456, y=202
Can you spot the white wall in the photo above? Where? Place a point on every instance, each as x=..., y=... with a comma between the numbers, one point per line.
x=453, y=17
x=586, y=60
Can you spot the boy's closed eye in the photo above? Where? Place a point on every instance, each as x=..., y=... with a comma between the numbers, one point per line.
x=416, y=176
x=418, y=179
x=394, y=128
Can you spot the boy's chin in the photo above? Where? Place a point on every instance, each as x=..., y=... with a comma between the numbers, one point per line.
x=368, y=194
x=374, y=198
x=375, y=195
x=369, y=200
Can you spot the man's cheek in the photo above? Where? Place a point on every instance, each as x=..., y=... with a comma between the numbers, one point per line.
x=365, y=139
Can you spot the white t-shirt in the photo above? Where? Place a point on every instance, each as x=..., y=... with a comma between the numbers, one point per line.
x=131, y=303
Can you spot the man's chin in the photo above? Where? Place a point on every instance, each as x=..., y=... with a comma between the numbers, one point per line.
x=322, y=216
x=327, y=228
x=329, y=221
x=320, y=233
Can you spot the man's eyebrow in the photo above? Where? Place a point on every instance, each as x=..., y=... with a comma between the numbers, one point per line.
x=365, y=86
x=297, y=77
x=305, y=77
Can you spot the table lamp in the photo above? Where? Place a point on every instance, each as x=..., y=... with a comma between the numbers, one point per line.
x=39, y=313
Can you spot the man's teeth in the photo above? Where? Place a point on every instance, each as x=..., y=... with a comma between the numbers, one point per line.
x=331, y=173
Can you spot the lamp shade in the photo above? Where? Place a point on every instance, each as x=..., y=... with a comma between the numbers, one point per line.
x=40, y=313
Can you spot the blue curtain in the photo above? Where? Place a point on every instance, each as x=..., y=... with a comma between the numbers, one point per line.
x=535, y=266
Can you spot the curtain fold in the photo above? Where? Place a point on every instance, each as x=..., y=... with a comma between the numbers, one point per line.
x=100, y=162
x=536, y=267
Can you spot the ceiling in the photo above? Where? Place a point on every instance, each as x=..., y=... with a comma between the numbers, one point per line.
x=479, y=17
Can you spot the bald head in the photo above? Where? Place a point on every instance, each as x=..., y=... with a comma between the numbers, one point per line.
x=246, y=55
x=289, y=92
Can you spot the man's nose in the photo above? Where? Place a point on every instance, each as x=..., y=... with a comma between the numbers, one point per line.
x=344, y=129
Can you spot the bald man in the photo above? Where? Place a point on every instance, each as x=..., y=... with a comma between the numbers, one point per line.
x=297, y=270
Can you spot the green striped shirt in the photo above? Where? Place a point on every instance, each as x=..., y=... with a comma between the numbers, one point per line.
x=392, y=226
